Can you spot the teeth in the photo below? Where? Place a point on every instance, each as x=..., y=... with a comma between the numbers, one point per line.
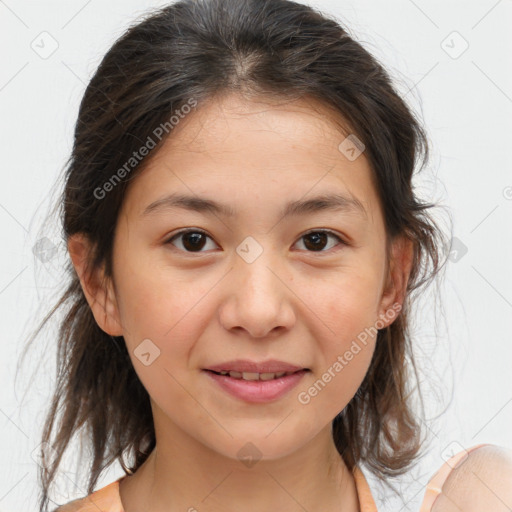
x=255, y=376
x=250, y=376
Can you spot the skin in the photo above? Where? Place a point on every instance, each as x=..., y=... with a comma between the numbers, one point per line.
x=292, y=303
x=482, y=481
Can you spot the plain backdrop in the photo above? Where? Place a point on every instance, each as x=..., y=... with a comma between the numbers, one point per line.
x=451, y=62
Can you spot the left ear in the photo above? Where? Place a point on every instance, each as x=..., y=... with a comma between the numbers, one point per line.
x=394, y=292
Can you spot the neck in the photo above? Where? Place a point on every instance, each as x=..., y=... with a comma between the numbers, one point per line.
x=182, y=474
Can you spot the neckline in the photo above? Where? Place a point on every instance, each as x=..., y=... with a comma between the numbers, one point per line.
x=364, y=495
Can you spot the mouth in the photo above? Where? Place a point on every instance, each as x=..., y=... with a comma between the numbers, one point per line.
x=255, y=376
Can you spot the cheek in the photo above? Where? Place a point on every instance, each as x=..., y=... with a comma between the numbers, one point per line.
x=353, y=334
x=160, y=306
x=157, y=302
x=348, y=308
x=349, y=304
x=160, y=315
x=344, y=362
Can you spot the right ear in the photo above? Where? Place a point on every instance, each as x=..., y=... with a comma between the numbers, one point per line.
x=98, y=289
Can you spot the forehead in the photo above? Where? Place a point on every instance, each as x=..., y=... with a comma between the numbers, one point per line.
x=229, y=118
x=259, y=150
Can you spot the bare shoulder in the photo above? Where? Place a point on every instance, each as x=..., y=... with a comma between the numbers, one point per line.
x=79, y=505
x=72, y=506
x=68, y=507
x=482, y=481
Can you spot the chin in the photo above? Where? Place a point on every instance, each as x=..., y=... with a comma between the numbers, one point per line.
x=252, y=447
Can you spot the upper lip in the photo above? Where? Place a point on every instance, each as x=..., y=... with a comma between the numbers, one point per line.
x=244, y=365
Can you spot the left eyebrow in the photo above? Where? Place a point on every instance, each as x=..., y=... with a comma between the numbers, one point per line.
x=331, y=202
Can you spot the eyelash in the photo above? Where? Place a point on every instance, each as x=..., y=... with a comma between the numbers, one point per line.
x=197, y=230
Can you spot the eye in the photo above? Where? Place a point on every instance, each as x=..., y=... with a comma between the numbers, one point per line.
x=316, y=240
x=193, y=240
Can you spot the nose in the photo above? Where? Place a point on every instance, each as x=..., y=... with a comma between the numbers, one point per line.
x=258, y=298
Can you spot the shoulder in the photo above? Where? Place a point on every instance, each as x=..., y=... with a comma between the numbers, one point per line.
x=105, y=499
x=72, y=506
x=481, y=480
x=79, y=505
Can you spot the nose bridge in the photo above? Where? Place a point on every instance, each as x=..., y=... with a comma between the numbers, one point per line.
x=257, y=265
x=259, y=298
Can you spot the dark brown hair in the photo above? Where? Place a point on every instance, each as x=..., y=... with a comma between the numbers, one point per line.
x=197, y=49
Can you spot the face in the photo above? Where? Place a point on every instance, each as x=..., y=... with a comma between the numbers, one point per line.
x=252, y=280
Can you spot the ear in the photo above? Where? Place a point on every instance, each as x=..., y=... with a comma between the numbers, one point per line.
x=394, y=292
x=98, y=289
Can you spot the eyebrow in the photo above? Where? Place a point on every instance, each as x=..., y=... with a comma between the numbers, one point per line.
x=329, y=202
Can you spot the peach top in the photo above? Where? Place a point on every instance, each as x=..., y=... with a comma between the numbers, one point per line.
x=107, y=499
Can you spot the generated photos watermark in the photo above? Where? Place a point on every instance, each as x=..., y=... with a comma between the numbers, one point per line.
x=342, y=361
x=144, y=150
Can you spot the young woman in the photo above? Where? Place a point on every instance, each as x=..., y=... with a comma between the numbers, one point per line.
x=244, y=240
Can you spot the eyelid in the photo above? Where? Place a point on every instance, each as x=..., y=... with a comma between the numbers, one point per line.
x=337, y=235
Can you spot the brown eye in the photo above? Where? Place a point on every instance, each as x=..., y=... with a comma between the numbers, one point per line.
x=317, y=240
x=193, y=240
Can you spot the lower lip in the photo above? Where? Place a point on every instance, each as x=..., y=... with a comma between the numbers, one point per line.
x=257, y=391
